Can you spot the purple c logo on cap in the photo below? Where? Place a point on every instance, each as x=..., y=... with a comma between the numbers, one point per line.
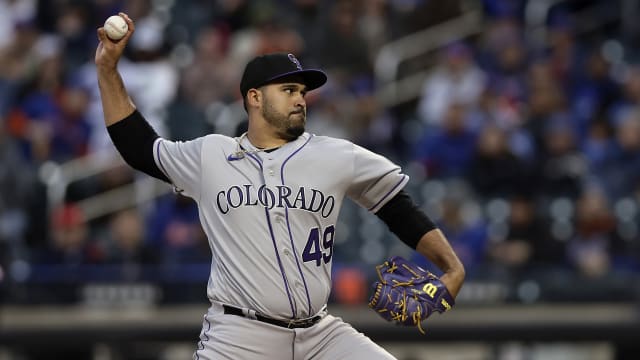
x=295, y=61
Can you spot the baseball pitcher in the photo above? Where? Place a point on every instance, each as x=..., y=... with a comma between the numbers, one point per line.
x=269, y=203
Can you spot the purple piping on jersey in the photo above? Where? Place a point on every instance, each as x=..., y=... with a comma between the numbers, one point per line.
x=160, y=160
x=206, y=337
x=389, y=193
x=257, y=159
x=286, y=216
x=273, y=240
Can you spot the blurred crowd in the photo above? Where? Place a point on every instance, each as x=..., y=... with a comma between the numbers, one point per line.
x=526, y=152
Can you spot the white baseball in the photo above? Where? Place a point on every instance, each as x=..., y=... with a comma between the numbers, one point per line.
x=116, y=27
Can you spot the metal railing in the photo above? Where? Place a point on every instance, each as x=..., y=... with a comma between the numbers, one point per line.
x=393, y=91
x=58, y=177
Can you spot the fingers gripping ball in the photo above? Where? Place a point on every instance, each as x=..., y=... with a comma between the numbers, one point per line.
x=407, y=294
x=115, y=27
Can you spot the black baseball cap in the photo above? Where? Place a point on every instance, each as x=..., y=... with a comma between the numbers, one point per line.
x=267, y=68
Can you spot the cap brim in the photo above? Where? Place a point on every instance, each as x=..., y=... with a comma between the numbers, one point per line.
x=312, y=78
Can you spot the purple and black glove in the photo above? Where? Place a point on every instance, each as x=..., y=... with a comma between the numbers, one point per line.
x=407, y=294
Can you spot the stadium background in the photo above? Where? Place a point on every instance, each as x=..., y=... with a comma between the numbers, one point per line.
x=518, y=122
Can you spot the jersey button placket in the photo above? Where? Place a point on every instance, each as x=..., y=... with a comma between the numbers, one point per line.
x=278, y=216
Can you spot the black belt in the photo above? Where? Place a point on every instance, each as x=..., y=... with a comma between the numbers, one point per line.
x=290, y=324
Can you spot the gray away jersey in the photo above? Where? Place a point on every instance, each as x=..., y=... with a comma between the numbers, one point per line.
x=270, y=217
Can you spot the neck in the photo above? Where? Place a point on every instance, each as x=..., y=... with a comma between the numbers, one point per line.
x=264, y=137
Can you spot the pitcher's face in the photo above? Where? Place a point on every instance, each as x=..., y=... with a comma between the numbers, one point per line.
x=284, y=108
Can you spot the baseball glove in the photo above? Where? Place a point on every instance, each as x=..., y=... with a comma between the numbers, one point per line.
x=407, y=294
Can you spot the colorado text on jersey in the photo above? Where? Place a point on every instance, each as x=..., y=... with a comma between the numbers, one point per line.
x=282, y=196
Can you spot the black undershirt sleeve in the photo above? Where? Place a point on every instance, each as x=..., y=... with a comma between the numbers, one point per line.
x=405, y=219
x=134, y=138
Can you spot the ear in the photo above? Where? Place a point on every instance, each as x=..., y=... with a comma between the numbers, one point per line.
x=254, y=98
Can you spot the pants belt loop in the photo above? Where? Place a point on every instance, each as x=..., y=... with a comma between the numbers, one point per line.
x=251, y=314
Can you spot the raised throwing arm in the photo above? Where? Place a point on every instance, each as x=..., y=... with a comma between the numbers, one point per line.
x=130, y=132
x=116, y=103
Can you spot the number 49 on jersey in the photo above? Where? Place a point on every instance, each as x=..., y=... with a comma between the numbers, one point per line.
x=314, y=250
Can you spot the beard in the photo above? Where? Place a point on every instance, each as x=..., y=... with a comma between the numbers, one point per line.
x=288, y=126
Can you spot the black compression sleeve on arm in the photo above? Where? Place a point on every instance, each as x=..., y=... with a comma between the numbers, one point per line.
x=405, y=219
x=134, y=137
